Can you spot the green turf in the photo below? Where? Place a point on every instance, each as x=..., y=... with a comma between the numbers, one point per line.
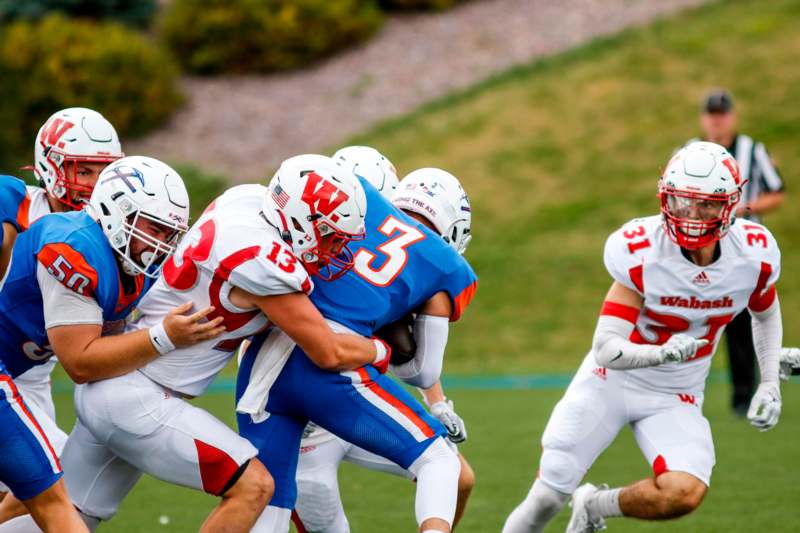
x=555, y=156
x=754, y=482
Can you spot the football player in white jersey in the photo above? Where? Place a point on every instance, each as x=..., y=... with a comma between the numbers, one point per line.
x=70, y=150
x=678, y=279
x=251, y=263
x=319, y=506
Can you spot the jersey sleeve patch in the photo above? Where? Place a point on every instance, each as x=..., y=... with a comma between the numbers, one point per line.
x=69, y=267
x=462, y=301
x=764, y=294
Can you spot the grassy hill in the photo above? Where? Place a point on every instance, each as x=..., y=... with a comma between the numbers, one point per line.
x=558, y=154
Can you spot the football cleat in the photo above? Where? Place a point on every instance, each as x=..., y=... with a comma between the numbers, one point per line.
x=583, y=520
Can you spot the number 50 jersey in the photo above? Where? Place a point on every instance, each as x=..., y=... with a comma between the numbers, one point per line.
x=682, y=297
x=399, y=266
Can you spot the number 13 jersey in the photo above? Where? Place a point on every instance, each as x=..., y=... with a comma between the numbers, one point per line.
x=230, y=245
x=682, y=297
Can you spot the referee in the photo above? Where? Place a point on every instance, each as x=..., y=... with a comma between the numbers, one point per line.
x=762, y=193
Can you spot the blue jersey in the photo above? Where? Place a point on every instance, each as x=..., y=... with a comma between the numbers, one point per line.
x=399, y=266
x=74, y=249
x=14, y=202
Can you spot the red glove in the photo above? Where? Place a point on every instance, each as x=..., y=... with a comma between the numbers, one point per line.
x=384, y=356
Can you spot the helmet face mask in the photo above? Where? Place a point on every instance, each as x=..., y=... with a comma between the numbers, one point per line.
x=319, y=207
x=699, y=192
x=70, y=139
x=143, y=208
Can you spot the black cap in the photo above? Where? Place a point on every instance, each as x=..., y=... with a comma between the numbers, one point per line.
x=717, y=101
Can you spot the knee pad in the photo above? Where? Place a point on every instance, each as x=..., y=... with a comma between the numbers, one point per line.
x=438, y=452
x=319, y=504
x=560, y=470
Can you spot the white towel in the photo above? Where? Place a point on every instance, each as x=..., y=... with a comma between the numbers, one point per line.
x=268, y=365
x=266, y=368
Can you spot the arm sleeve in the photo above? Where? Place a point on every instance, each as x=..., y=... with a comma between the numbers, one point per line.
x=430, y=335
x=63, y=306
x=611, y=346
x=767, y=340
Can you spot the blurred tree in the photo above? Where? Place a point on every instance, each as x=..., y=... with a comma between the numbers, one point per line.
x=57, y=62
x=238, y=36
x=132, y=12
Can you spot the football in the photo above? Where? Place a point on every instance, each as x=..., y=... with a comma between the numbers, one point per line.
x=400, y=336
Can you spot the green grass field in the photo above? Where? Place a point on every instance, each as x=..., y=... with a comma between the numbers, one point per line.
x=555, y=156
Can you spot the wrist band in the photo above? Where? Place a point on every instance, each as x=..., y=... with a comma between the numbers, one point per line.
x=160, y=339
x=383, y=352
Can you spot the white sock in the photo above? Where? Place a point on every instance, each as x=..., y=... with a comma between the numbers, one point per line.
x=437, y=471
x=20, y=524
x=273, y=520
x=605, y=503
x=537, y=509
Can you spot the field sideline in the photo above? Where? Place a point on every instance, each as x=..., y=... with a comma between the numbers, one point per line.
x=555, y=156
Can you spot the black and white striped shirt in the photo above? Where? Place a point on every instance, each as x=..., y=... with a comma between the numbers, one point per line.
x=756, y=166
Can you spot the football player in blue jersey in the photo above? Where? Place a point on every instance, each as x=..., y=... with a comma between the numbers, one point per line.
x=70, y=150
x=70, y=274
x=319, y=506
x=402, y=266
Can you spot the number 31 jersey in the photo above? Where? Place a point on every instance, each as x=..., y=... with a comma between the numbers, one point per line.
x=682, y=297
x=231, y=245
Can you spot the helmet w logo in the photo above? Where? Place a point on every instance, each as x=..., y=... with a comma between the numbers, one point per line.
x=54, y=130
x=321, y=195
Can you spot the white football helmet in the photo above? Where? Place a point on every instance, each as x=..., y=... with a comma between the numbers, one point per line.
x=135, y=189
x=699, y=191
x=319, y=207
x=72, y=136
x=370, y=164
x=438, y=196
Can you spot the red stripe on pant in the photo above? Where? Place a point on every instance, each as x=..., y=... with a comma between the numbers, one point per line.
x=394, y=402
x=216, y=467
x=298, y=524
x=17, y=398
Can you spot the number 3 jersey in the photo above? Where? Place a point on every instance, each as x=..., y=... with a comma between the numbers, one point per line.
x=682, y=297
x=75, y=252
x=231, y=245
x=399, y=266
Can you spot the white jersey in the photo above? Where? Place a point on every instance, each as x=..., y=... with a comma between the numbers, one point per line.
x=231, y=245
x=682, y=297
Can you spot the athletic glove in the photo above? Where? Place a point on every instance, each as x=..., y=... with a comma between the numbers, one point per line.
x=790, y=360
x=765, y=407
x=443, y=411
x=680, y=348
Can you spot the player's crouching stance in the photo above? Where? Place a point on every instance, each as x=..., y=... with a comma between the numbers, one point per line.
x=436, y=199
x=234, y=258
x=70, y=273
x=678, y=279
